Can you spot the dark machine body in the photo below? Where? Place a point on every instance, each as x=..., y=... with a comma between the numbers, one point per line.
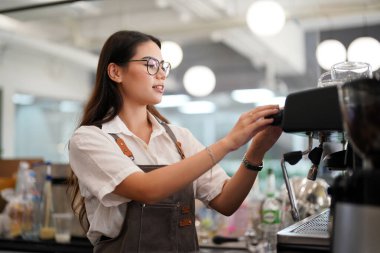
x=353, y=220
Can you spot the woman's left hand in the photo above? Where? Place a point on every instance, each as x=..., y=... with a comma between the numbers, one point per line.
x=264, y=140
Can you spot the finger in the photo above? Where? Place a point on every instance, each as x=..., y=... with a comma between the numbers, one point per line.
x=262, y=113
x=265, y=107
x=259, y=125
x=261, y=108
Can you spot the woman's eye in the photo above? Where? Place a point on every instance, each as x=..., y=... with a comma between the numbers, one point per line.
x=152, y=66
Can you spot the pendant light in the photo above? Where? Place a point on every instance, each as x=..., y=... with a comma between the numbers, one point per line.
x=265, y=17
x=330, y=52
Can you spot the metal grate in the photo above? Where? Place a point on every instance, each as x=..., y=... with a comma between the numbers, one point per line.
x=316, y=226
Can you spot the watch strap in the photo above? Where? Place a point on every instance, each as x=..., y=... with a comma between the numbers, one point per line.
x=250, y=166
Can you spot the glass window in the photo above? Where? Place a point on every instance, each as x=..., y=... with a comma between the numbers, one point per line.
x=43, y=127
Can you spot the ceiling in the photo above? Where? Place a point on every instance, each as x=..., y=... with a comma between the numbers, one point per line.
x=211, y=32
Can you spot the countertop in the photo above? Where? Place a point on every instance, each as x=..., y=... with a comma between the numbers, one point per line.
x=82, y=245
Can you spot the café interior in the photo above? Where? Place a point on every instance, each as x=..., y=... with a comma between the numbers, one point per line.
x=227, y=57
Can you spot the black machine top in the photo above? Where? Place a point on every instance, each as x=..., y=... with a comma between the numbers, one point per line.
x=313, y=112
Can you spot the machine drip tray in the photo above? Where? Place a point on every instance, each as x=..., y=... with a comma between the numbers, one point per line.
x=311, y=232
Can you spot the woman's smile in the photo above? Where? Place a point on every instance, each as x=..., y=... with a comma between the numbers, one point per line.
x=159, y=88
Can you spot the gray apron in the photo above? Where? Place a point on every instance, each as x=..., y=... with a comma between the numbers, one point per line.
x=165, y=226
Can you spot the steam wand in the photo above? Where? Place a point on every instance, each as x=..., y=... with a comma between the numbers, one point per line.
x=294, y=210
x=293, y=158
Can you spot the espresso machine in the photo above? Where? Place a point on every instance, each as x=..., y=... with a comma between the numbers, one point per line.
x=350, y=115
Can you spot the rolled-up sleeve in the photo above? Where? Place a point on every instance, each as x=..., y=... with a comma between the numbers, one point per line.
x=210, y=184
x=99, y=164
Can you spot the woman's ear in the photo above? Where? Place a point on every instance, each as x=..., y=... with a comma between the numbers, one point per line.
x=114, y=72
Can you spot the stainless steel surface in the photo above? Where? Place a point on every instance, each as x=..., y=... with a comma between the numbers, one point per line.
x=311, y=196
x=328, y=136
x=356, y=228
x=310, y=231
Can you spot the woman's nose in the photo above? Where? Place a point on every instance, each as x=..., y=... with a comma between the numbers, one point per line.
x=161, y=74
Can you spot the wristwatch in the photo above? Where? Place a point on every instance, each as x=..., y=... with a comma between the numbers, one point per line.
x=250, y=166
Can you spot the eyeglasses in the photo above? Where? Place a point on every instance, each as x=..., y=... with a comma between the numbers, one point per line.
x=153, y=66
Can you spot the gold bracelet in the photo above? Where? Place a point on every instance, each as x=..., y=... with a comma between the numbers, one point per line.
x=211, y=156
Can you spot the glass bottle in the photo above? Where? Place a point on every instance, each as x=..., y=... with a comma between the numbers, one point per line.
x=15, y=207
x=47, y=230
x=271, y=213
x=31, y=200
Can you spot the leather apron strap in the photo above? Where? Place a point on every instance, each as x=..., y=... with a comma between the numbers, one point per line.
x=172, y=136
x=128, y=152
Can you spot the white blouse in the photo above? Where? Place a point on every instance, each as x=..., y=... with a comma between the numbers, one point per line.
x=100, y=166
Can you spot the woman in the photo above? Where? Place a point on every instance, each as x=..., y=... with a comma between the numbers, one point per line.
x=136, y=175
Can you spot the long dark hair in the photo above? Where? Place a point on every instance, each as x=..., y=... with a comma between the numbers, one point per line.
x=106, y=100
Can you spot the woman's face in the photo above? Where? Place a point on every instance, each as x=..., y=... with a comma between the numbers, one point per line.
x=137, y=86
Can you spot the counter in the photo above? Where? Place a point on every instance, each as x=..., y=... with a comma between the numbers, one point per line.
x=82, y=245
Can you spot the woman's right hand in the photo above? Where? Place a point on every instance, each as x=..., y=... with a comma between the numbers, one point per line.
x=249, y=124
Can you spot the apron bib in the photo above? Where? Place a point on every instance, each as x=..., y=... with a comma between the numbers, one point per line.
x=165, y=226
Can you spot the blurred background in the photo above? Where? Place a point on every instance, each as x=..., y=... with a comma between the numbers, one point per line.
x=246, y=57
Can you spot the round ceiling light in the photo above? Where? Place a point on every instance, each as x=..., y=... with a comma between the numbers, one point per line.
x=330, y=52
x=172, y=53
x=265, y=18
x=199, y=81
x=365, y=49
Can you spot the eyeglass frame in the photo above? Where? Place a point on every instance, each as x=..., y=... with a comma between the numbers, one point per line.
x=160, y=63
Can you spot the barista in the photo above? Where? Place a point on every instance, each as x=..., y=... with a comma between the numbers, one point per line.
x=135, y=175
